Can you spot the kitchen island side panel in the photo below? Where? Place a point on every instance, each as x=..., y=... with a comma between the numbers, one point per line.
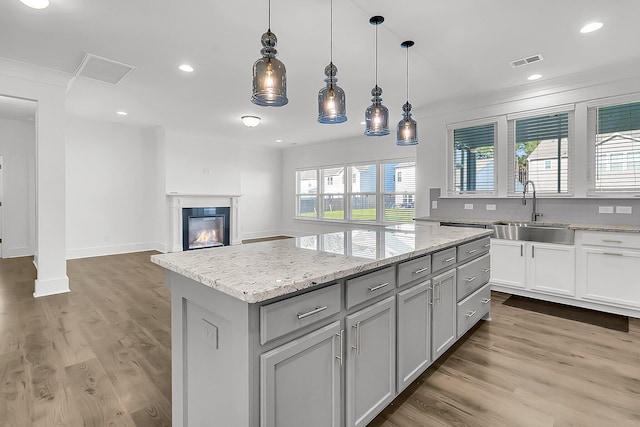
x=212, y=357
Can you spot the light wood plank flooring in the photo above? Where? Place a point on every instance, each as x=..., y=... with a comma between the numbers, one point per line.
x=100, y=356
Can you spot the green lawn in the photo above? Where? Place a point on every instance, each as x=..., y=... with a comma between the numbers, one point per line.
x=392, y=215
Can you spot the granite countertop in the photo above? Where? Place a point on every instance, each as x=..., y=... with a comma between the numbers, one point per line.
x=627, y=228
x=260, y=271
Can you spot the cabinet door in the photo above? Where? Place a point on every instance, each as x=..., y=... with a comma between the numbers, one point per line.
x=508, y=263
x=414, y=333
x=552, y=268
x=300, y=381
x=443, y=319
x=612, y=275
x=371, y=361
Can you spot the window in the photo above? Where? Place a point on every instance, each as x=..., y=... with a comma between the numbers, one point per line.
x=616, y=147
x=377, y=192
x=471, y=154
x=540, y=149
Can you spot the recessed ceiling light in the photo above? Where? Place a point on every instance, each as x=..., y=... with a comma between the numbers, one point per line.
x=121, y=113
x=250, y=121
x=591, y=27
x=36, y=4
x=186, y=68
x=278, y=140
x=534, y=77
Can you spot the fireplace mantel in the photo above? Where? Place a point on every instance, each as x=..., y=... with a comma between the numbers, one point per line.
x=177, y=201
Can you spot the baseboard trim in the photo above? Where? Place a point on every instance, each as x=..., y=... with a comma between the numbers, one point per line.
x=48, y=287
x=111, y=250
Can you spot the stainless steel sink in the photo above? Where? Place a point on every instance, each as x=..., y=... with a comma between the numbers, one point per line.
x=534, y=232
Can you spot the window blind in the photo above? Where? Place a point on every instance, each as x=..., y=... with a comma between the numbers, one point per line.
x=540, y=149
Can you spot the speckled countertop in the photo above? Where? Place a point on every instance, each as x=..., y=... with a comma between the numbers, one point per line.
x=573, y=226
x=260, y=271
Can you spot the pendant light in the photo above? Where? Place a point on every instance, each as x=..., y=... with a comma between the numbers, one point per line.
x=269, y=73
x=407, y=127
x=377, y=115
x=332, y=103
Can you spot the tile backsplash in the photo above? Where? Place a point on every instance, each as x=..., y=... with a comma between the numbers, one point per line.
x=583, y=210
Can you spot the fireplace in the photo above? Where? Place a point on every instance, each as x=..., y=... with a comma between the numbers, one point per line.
x=205, y=227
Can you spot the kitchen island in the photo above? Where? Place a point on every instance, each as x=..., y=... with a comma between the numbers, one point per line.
x=320, y=330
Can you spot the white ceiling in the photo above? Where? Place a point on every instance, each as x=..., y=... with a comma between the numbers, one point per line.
x=463, y=47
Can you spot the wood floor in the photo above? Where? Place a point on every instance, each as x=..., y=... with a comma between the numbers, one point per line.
x=100, y=356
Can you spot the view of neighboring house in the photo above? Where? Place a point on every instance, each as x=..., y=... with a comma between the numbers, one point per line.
x=617, y=162
x=545, y=169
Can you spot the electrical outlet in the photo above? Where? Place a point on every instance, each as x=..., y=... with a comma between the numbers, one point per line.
x=623, y=209
x=468, y=206
x=491, y=207
x=434, y=204
x=605, y=209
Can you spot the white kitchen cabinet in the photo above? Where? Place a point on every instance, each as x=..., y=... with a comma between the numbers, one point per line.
x=370, y=361
x=414, y=333
x=508, y=263
x=291, y=373
x=538, y=267
x=608, y=269
x=551, y=268
x=443, y=318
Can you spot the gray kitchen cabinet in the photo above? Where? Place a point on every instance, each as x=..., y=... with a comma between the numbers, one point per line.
x=370, y=361
x=443, y=318
x=414, y=333
x=292, y=373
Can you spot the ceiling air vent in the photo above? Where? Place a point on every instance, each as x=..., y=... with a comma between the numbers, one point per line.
x=527, y=60
x=103, y=69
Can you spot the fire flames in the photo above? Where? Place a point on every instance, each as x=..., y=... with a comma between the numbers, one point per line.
x=206, y=238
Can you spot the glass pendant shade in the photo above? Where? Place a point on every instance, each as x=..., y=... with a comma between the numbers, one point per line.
x=269, y=75
x=376, y=116
x=332, y=103
x=407, y=128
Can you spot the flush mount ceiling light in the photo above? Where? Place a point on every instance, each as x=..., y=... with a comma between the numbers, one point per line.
x=376, y=116
x=186, y=68
x=591, y=27
x=407, y=127
x=332, y=103
x=121, y=113
x=269, y=73
x=250, y=121
x=36, y=4
x=534, y=77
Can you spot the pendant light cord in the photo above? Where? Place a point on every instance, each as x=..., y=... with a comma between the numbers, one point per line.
x=269, y=30
x=331, y=36
x=377, y=54
x=407, y=73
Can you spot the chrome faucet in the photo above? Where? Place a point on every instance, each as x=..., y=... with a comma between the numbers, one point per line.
x=534, y=214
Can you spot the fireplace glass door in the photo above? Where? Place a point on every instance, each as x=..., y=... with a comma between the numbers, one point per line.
x=206, y=232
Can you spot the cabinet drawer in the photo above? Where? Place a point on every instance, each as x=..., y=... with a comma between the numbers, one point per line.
x=615, y=240
x=443, y=259
x=414, y=269
x=473, y=308
x=472, y=276
x=473, y=249
x=285, y=316
x=370, y=285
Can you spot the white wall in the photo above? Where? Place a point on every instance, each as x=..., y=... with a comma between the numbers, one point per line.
x=111, y=188
x=358, y=149
x=18, y=150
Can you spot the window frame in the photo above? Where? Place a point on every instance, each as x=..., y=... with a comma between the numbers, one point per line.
x=348, y=192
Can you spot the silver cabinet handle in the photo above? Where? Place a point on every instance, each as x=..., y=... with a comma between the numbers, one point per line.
x=612, y=254
x=488, y=245
x=521, y=250
x=450, y=259
x=341, y=336
x=611, y=241
x=470, y=279
x=380, y=286
x=430, y=300
x=422, y=270
x=533, y=251
x=439, y=291
x=472, y=251
x=486, y=300
x=357, y=337
x=312, y=312
x=486, y=270
x=470, y=313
